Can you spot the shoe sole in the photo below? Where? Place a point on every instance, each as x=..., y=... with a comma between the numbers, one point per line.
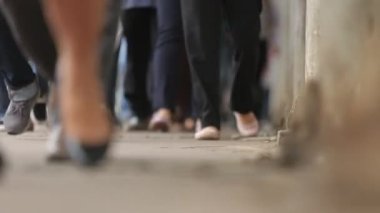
x=207, y=138
x=28, y=128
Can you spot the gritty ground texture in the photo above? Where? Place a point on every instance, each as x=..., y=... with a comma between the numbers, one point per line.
x=154, y=173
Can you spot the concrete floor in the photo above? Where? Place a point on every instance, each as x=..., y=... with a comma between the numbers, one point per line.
x=151, y=173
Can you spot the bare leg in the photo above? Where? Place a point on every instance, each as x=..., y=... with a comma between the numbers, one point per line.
x=76, y=28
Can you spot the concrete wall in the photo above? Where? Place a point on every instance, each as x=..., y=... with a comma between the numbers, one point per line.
x=312, y=38
x=288, y=63
x=341, y=113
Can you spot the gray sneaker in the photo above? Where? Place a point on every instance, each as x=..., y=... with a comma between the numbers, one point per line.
x=17, y=118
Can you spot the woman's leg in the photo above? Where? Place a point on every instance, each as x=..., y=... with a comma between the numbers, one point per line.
x=29, y=26
x=202, y=23
x=137, y=24
x=244, y=19
x=166, y=62
x=76, y=27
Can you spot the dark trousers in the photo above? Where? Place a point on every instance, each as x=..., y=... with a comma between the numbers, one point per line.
x=167, y=54
x=108, y=53
x=28, y=23
x=4, y=99
x=15, y=68
x=138, y=30
x=202, y=26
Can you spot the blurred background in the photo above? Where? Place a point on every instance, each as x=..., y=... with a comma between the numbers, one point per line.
x=315, y=109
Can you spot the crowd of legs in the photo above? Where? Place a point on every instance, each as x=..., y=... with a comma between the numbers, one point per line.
x=74, y=46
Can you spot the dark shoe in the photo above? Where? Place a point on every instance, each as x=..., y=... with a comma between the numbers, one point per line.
x=62, y=149
x=17, y=118
x=39, y=112
x=86, y=155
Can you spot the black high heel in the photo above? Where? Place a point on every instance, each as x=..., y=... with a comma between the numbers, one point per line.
x=86, y=155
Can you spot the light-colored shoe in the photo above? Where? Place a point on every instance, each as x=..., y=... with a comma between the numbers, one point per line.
x=206, y=133
x=247, y=124
x=136, y=124
x=56, y=150
x=161, y=121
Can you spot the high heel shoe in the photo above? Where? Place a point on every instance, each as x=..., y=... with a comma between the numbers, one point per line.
x=61, y=149
x=247, y=124
x=84, y=150
x=88, y=152
x=87, y=137
x=85, y=154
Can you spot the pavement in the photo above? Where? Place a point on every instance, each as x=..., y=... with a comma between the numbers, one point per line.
x=149, y=172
